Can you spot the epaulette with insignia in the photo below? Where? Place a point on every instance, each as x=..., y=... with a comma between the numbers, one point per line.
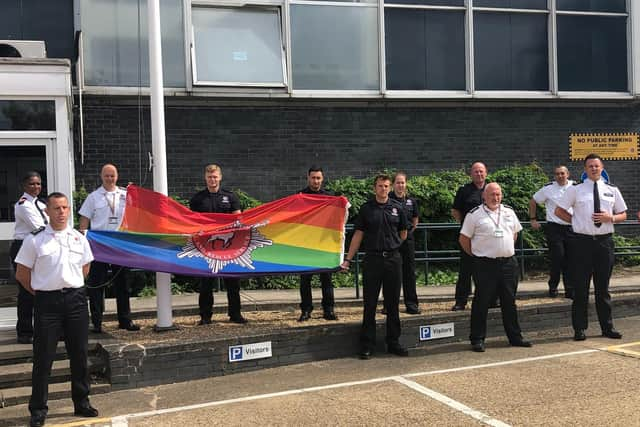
x=610, y=184
x=38, y=230
x=475, y=209
x=548, y=183
x=507, y=206
x=22, y=200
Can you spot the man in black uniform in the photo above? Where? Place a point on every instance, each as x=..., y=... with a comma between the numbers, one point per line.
x=217, y=200
x=408, y=248
x=467, y=197
x=314, y=180
x=381, y=227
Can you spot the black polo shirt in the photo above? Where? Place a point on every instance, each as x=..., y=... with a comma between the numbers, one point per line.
x=381, y=224
x=322, y=191
x=410, y=207
x=468, y=197
x=223, y=201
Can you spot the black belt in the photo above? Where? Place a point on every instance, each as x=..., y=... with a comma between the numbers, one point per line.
x=383, y=254
x=555, y=224
x=594, y=236
x=497, y=259
x=60, y=291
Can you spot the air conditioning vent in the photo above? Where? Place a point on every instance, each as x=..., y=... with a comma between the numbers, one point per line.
x=23, y=49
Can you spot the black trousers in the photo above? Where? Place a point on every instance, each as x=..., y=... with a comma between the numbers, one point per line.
x=591, y=256
x=60, y=313
x=24, y=326
x=463, y=285
x=377, y=271
x=495, y=276
x=557, y=242
x=205, y=298
x=98, y=276
x=306, y=300
x=408, y=253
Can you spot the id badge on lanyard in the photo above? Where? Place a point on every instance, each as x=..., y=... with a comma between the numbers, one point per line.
x=113, y=219
x=498, y=232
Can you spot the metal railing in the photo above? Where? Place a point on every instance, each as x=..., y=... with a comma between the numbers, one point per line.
x=426, y=230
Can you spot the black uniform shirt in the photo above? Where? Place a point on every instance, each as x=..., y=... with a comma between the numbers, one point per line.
x=410, y=207
x=467, y=197
x=322, y=191
x=381, y=224
x=223, y=201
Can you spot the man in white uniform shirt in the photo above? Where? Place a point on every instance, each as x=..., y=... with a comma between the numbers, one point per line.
x=596, y=205
x=30, y=215
x=103, y=210
x=556, y=230
x=488, y=234
x=52, y=265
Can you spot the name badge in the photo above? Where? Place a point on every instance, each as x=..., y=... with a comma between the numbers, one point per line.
x=498, y=233
x=113, y=220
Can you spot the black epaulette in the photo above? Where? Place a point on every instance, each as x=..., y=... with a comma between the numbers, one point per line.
x=38, y=230
x=611, y=185
x=22, y=200
x=475, y=209
x=576, y=182
x=507, y=206
x=548, y=183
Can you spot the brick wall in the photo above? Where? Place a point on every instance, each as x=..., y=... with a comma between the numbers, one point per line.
x=266, y=149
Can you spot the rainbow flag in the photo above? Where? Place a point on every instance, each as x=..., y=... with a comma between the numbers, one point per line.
x=297, y=234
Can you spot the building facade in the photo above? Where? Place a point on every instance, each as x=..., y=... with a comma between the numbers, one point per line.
x=267, y=87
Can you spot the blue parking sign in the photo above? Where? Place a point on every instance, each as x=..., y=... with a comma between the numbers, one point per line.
x=235, y=352
x=425, y=332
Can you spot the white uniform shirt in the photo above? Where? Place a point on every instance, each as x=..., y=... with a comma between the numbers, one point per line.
x=549, y=196
x=55, y=258
x=580, y=198
x=480, y=226
x=30, y=215
x=105, y=209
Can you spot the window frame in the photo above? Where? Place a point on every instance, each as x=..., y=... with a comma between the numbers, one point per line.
x=260, y=5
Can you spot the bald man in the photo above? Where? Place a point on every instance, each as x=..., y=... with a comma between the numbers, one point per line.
x=103, y=210
x=488, y=235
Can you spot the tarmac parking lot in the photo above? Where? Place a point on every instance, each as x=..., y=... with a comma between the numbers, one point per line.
x=558, y=382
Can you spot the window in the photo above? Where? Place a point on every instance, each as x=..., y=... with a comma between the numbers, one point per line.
x=237, y=46
x=592, y=53
x=27, y=115
x=116, y=46
x=334, y=47
x=593, y=5
x=425, y=49
x=51, y=21
x=512, y=4
x=511, y=51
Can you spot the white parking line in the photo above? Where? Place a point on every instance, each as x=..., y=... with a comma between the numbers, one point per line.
x=122, y=420
x=454, y=404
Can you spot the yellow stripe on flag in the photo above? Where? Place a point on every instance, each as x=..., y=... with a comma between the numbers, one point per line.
x=303, y=236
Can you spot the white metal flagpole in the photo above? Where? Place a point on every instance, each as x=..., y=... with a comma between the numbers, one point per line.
x=159, y=150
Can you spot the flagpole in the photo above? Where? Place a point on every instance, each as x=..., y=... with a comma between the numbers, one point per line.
x=159, y=149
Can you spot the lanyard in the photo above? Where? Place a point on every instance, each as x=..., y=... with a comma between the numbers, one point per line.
x=112, y=203
x=488, y=212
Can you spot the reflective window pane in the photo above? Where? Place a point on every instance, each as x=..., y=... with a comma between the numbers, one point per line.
x=511, y=51
x=459, y=3
x=32, y=20
x=424, y=49
x=592, y=53
x=116, y=48
x=238, y=45
x=512, y=4
x=334, y=47
x=27, y=115
x=593, y=5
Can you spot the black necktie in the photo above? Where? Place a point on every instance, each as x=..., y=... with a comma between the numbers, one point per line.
x=44, y=218
x=596, y=202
